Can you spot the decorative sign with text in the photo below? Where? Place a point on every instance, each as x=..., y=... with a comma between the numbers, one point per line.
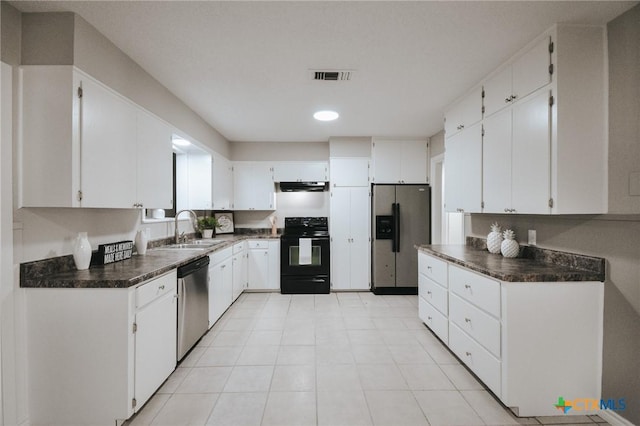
x=113, y=252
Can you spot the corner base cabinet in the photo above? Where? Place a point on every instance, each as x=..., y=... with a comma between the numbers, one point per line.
x=529, y=342
x=96, y=355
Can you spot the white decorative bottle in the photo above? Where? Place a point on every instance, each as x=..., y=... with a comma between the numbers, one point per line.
x=82, y=252
x=494, y=239
x=141, y=241
x=510, y=247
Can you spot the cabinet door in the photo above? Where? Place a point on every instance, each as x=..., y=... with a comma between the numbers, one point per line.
x=220, y=289
x=496, y=163
x=340, y=223
x=359, y=246
x=463, y=171
x=222, y=196
x=414, y=159
x=155, y=346
x=497, y=91
x=531, y=155
x=296, y=171
x=239, y=273
x=464, y=114
x=154, y=162
x=349, y=171
x=199, y=189
x=387, y=157
x=253, y=186
x=531, y=70
x=108, y=158
x=273, y=280
x=258, y=268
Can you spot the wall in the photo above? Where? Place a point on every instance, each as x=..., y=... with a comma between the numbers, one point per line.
x=436, y=144
x=613, y=237
x=279, y=151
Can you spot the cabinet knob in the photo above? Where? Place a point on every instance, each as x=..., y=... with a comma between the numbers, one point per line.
x=468, y=353
x=429, y=268
x=429, y=318
x=467, y=320
x=467, y=286
x=161, y=287
x=428, y=292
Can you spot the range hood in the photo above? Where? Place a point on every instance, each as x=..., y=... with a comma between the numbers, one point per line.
x=303, y=186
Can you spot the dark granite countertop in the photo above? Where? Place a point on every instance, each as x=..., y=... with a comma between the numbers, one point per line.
x=532, y=265
x=60, y=272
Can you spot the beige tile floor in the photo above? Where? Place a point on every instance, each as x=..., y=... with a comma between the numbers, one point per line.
x=338, y=359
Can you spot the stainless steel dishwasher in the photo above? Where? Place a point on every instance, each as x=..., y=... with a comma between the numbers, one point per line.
x=193, y=303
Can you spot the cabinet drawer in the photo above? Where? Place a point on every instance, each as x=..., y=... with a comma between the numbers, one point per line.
x=155, y=288
x=258, y=244
x=480, y=291
x=433, y=293
x=238, y=247
x=433, y=268
x=478, y=359
x=482, y=327
x=433, y=319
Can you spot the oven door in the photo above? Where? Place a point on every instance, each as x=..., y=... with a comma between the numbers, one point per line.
x=294, y=261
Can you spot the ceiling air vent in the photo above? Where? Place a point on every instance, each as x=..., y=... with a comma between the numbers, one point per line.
x=332, y=75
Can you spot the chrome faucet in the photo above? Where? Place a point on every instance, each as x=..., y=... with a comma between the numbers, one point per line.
x=195, y=224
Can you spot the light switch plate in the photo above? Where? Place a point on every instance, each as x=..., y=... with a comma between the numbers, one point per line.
x=532, y=237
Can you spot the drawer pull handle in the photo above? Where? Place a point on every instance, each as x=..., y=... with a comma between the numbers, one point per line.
x=468, y=353
x=161, y=287
x=467, y=320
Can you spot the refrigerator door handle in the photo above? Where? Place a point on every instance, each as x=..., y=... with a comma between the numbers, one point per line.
x=396, y=227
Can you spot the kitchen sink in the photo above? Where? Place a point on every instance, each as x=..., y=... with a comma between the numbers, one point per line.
x=192, y=245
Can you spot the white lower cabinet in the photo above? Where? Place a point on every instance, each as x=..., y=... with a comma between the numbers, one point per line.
x=220, y=283
x=155, y=337
x=529, y=342
x=96, y=355
x=263, y=264
x=350, y=246
x=240, y=275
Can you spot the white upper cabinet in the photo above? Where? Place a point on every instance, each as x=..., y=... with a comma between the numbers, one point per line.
x=81, y=144
x=544, y=149
x=463, y=171
x=301, y=171
x=154, y=158
x=349, y=171
x=222, y=183
x=516, y=80
x=464, y=114
x=516, y=158
x=400, y=161
x=253, y=187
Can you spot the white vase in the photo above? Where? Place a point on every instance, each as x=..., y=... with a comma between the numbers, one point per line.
x=82, y=252
x=207, y=233
x=141, y=241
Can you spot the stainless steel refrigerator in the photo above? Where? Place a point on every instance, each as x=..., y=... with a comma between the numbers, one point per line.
x=401, y=219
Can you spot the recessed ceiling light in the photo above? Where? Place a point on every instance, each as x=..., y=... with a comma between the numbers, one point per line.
x=181, y=142
x=326, y=115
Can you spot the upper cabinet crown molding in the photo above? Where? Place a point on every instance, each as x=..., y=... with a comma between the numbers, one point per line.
x=83, y=144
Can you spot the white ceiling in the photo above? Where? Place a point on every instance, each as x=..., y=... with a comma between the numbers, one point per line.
x=244, y=66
